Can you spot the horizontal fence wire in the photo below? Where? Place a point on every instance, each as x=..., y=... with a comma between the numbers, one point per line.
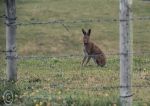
x=97, y=87
x=97, y=20
x=65, y=23
x=72, y=55
x=35, y=22
x=110, y=53
x=77, y=55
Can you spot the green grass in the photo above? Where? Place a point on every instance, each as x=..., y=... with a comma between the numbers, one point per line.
x=62, y=81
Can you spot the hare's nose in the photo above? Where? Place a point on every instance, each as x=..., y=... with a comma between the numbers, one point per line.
x=85, y=40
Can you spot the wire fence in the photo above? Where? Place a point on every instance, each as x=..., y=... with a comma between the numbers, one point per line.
x=65, y=24
x=97, y=20
x=44, y=77
x=141, y=59
x=65, y=73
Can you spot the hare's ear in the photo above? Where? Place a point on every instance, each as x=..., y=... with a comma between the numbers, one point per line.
x=83, y=31
x=89, y=32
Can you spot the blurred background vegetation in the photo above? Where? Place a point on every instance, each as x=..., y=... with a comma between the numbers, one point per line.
x=49, y=39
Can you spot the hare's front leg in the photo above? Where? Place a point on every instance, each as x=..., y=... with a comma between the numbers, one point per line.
x=84, y=58
x=89, y=57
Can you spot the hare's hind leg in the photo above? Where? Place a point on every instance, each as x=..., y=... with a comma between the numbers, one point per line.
x=100, y=62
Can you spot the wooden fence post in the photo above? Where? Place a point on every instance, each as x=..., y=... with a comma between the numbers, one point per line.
x=126, y=52
x=10, y=13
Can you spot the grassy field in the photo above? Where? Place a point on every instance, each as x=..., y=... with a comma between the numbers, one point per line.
x=55, y=80
x=63, y=82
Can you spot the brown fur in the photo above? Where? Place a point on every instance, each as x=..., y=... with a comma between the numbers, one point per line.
x=92, y=51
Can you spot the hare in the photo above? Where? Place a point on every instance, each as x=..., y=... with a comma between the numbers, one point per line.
x=92, y=51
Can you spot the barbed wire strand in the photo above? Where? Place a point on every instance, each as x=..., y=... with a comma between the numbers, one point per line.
x=96, y=87
x=108, y=53
x=72, y=55
x=36, y=22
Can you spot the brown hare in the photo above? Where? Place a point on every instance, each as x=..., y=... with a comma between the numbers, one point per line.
x=92, y=51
